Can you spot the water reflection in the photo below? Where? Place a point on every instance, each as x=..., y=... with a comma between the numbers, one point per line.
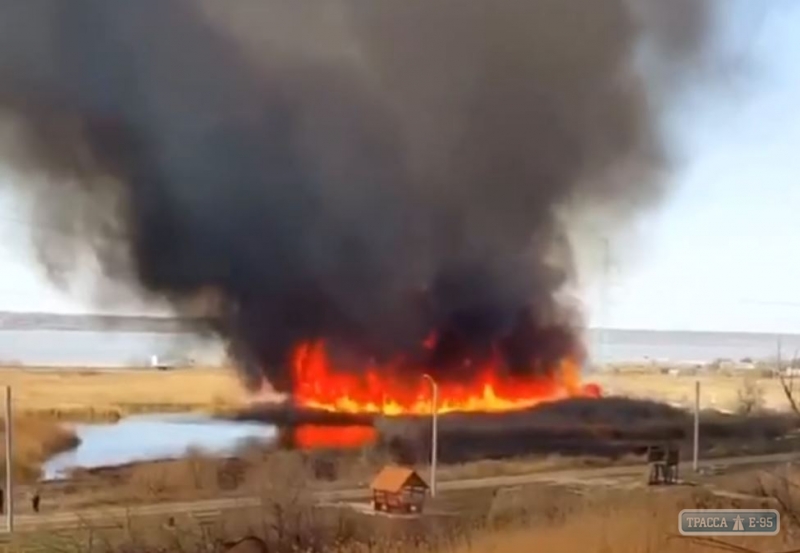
x=310, y=436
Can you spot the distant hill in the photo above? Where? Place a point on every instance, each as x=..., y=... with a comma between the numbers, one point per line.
x=119, y=323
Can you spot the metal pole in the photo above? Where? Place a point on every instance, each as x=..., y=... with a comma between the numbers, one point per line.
x=604, y=301
x=9, y=491
x=434, y=430
x=696, y=424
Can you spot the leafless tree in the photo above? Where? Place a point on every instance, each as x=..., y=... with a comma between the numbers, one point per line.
x=787, y=379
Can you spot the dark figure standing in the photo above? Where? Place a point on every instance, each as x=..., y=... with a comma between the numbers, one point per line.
x=35, y=500
x=2, y=501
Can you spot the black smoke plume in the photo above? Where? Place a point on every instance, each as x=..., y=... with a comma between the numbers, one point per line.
x=361, y=171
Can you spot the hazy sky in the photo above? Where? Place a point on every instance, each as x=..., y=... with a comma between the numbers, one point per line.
x=722, y=253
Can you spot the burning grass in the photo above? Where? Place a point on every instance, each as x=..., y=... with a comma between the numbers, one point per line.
x=399, y=388
x=89, y=395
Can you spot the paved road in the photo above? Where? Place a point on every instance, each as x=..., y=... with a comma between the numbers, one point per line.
x=210, y=508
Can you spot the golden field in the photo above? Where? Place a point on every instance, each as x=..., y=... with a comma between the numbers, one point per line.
x=725, y=392
x=569, y=518
x=108, y=395
x=44, y=397
x=34, y=442
x=640, y=521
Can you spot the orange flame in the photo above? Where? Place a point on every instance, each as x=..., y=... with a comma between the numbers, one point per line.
x=387, y=389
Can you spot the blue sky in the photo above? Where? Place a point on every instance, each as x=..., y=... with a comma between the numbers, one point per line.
x=721, y=253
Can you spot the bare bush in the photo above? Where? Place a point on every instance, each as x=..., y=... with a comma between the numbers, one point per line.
x=750, y=397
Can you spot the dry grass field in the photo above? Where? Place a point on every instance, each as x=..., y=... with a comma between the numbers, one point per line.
x=109, y=395
x=34, y=442
x=726, y=392
x=639, y=528
x=44, y=397
x=200, y=477
x=552, y=518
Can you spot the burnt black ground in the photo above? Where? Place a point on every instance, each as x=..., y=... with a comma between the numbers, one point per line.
x=608, y=427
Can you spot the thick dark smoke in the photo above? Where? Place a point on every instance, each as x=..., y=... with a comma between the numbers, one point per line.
x=360, y=171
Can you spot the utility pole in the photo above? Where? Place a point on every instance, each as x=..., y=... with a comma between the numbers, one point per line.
x=9, y=491
x=434, y=429
x=696, y=424
x=604, y=300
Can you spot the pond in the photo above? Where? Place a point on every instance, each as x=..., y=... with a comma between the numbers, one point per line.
x=154, y=437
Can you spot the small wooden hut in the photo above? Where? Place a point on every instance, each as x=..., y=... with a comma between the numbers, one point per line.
x=398, y=489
